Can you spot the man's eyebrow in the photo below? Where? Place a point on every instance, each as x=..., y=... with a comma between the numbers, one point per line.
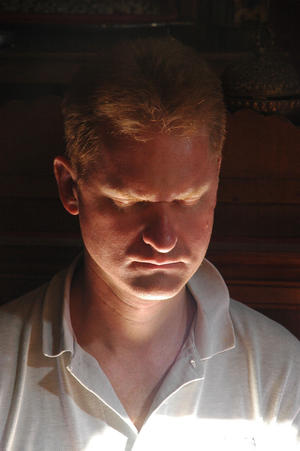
x=131, y=195
x=194, y=193
x=119, y=193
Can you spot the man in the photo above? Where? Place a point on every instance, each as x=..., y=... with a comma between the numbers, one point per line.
x=137, y=346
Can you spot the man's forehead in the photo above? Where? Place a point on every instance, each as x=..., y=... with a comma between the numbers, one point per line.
x=163, y=166
x=159, y=149
x=122, y=148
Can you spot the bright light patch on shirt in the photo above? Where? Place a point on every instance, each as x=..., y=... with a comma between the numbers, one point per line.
x=212, y=434
x=185, y=433
x=109, y=439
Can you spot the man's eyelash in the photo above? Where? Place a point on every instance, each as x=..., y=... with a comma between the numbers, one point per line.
x=123, y=203
x=129, y=203
x=188, y=202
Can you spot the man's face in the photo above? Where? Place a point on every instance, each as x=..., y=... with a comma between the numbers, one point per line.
x=146, y=214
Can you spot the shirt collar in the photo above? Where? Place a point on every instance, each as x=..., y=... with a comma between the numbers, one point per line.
x=57, y=329
x=212, y=332
x=213, y=329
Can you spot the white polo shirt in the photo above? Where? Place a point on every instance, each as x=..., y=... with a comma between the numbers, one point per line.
x=234, y=386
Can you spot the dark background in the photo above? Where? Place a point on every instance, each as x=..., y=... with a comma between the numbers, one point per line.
x=256, y=239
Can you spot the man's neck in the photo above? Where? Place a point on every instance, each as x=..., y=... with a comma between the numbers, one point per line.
x=135, y=343
x=100, y=318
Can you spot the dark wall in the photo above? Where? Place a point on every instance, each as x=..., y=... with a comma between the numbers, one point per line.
x=256, y=240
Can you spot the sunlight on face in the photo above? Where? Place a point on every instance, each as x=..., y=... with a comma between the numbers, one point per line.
x=186, y=433
x=146, y=215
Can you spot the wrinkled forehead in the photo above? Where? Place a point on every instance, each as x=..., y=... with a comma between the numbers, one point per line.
x=163, y=164
x=159, y=146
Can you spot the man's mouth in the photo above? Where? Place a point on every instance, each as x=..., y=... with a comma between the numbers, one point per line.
x=157, y=264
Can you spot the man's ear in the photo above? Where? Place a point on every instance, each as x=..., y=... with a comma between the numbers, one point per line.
x=219, y=161
x=66, y=182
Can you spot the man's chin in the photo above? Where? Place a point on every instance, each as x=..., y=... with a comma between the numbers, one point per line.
x=157, y=288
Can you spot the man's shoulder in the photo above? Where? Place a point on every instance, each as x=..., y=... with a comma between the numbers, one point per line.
x=261, y=334
x=16, y=313
x=21, y=312
x=23, y=303
x=270, y=357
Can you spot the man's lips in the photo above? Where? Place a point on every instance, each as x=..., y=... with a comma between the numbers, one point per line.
x=157, y=264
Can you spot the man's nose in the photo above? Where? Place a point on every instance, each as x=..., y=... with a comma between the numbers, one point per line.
x=159, y=232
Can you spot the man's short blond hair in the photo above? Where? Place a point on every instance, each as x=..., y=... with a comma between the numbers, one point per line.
x=136, y=89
